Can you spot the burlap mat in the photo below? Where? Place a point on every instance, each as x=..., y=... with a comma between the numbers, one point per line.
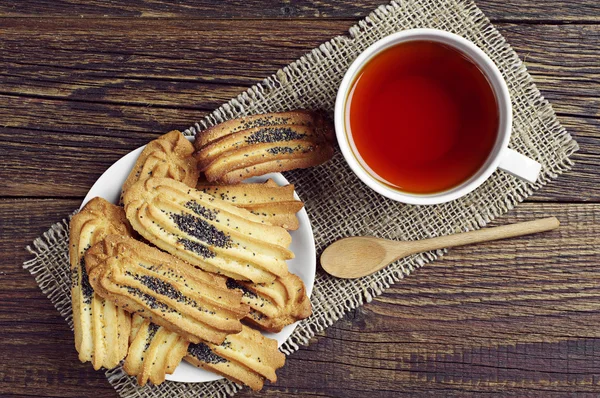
x=337, y=202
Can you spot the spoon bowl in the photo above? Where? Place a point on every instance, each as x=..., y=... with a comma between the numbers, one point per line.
x=358, y=252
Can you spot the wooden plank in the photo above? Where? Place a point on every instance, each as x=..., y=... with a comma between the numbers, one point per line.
x=202, y=68
x=580, y=184
x=55, y=164
x=66, y=164
x=38, y=356
x=499, y=318
x=562, y=60
x=215, y=52
x=159, y=65
x=553, y=10
x=94, y=102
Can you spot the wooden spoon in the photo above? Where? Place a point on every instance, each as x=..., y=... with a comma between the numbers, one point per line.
x=362, y=255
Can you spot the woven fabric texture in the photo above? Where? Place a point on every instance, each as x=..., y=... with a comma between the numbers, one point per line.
x=337, y=202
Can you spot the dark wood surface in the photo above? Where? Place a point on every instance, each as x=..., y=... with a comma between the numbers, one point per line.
x=81, y=85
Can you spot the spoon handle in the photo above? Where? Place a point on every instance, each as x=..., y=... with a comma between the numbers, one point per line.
x=486, y=235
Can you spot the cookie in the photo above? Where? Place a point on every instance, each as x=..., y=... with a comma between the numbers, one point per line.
x=170, y=156
x=272, y=203
x=250, y=156
x=167, y=291
x=154, y=351
x=314, y=119
x=276, y=304
x=101, y=329
x=277, y=135
x=206, y=231
x=255, y=145
x=245, y=358
x=317, y=155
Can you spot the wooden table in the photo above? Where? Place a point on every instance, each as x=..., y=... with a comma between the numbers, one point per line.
x=82, y=85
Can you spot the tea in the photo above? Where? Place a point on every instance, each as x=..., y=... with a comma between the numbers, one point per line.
x=423, y=117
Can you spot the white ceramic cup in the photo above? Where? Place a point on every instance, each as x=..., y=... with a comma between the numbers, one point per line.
x=501, y=157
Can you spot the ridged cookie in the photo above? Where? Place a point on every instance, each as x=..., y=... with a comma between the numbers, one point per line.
x=272, y=203
x=317, y=120
x=254, y=145
x=170, y=156
x=249, y=193
x=316, y=155
x=101, y=329
x=207, y=231
x=276, y=135
x=164, y=289
x=275, y=304
x=246, y=358
x=250, y=155
x=154, y=351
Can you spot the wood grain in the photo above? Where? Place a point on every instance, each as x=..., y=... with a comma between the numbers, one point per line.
x=513, y=317
x=83, y=84
x=98, y=101
x=59, y=164
x=514, y=10
x=161, y=65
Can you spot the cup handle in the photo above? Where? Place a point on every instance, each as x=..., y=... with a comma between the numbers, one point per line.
x=519, y=165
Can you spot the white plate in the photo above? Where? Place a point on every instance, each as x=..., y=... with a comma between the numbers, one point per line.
x=108, y=186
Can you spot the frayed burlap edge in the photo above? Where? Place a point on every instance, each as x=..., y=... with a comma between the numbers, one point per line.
x=537, y=133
